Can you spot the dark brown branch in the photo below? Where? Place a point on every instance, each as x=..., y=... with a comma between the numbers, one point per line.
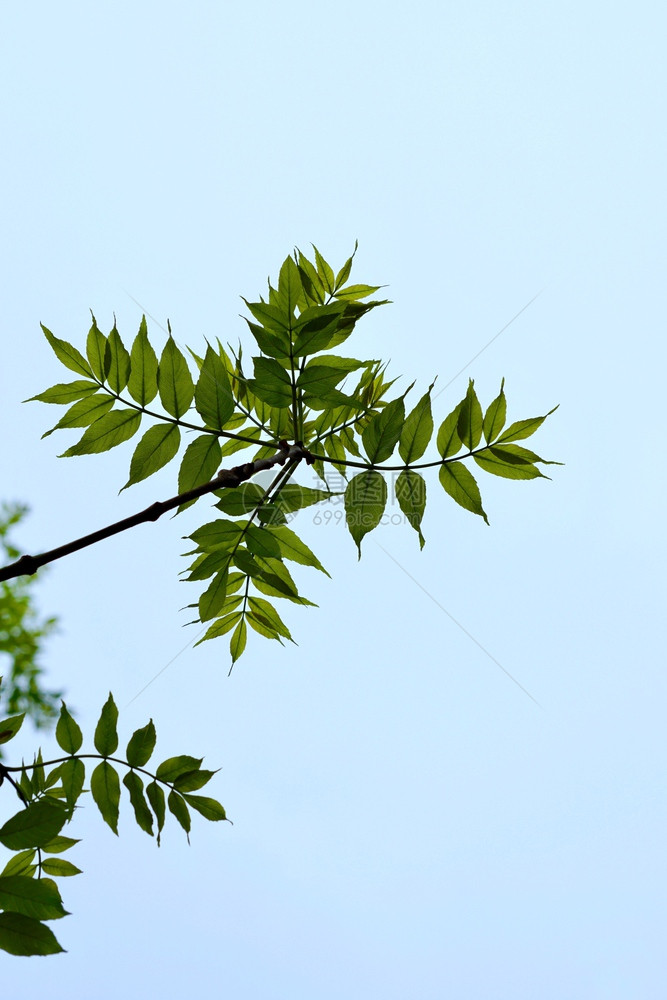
x=226, y=478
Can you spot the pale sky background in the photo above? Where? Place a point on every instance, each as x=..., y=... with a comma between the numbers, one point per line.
x=407, y=822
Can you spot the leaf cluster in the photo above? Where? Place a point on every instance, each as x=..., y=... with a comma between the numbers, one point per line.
x=50, y=792
x=298, y=392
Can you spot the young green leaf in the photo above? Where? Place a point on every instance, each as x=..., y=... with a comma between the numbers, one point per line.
x=354, y=292
x=60, y=867
x=383, y=431
x=271, y=383
x=105, y=789
x=324, y=271
x=448, y=440
x=461, y=485
x=156, y=448
x=106, y=735
x=213, y=598
x=501, y=463
x=20, y=864
x=21, y=935
x=142, y=383
x=411, y=495
x=365, y=501
x=213, y=393
x=291, y=547
x=141, y=745
x=238, y=641
x=220, y=627
x=68, y=732
x=344, y=272
x=523, y=428
x=107, y=432
x=417, y=430
x=494, y=418
x=265, y=612
x=96, y=345
x=65, y=392
x=68, y=355
x=117, y=361
x=174, y=380
x=200, y=462
x=59, y=844
x=143, y=815
x=83, y=413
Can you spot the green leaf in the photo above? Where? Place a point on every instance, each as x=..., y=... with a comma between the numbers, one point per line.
x=271, y=383
x=354, y=292
x=200, y=463
x=310, y=279
x=294, y=497
x=142, y=384
x=96, y=346
x=59, y=844
x=174, y=380
x=260, y=542
x=240, y=500
x=173, y=767
x=68, y=732
x=21, y=935
x=180, y=810
x=290, y=290
x=365, y=501
x=107, y=432
x=448, y=440
x=383, y=431
x=523, y=428
x=316, y=328
x=417, y=430
x=117, y=361
x=155, y=796
x=237, y=643
x=469, y=426
x=142, y=813
x=291, y=547
x=141, y=745
x=494, y=418
x=267, y=613
x=106, y=735
x=192, y=780
x=33, y=826
x=209, y=808
x=156, y=448
x=67, y=355
x=502, y=463
x=20, y=864
x=65, y=392
x=10, y=727
x=32, y=897
x=83, y=413
x=461, y=485
x=60, y=867
x=411, y=495
x=72, y=776
x=213, y=392
x=220, y=626
x=345, y=270
x=105, y=789
x=213, y=598
x=324, y=271
x=217, y=534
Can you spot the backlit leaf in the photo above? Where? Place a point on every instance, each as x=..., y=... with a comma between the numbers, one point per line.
x=461, y=485
x=155, y=449
x=21, y=935
x=142, y=384
x=411, y=496
x=365, y=501
x=68, y=731
x=494, y=418
x=469, y=425
x=95, y=349
x=107, y=432
x=174, y=380
x=33, y=826
x=105, y=789
x=68, y=355
x=117, y=362
x=417, y=430
x=213, y=393
x=106, y=735
x=142, y=813
x=141, y=745
x=383, y=431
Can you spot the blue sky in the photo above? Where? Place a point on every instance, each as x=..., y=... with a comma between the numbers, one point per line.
x=407, y=822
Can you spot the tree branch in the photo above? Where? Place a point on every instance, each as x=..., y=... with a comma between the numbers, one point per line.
x=226, y=478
